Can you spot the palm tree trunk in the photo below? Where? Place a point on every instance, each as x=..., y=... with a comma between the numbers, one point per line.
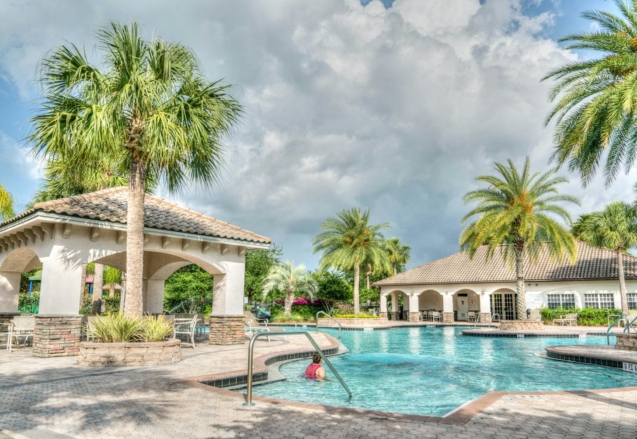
x=357, y=281
x=122, y=294
x=395, y=270
x=98, y=284
x=135, y=238
x=289, y=298
x=82, y=286
x=519, y=284
x=367, y=275
x=622, y=281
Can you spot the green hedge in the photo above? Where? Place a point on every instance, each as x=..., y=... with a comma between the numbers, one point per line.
x=586, y=316
x=360, y=316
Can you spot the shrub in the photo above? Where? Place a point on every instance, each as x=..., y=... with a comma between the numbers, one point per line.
x=282, y=318
x=586, y=316
x=28, y=303
x=155, y=329
x=118, y=328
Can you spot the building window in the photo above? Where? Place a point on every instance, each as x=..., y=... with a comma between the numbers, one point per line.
x=560, y=301
x=632, y=300
x=599, y=301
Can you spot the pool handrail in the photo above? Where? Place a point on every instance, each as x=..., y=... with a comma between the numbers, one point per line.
x=318, y=350
x=630, y=324
x=329, y=317
x=619, y=317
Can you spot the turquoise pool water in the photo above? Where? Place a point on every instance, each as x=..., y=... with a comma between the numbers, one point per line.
x=431, y=371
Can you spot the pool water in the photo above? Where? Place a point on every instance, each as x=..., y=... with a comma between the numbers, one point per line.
x=432, y=371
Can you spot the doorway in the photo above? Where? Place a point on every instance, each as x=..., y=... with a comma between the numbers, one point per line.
x=463, y=307
x=503, y=304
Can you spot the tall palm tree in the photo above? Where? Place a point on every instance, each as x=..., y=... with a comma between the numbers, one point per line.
x=348, y=242
x=291, y=280
x=516, y=216
x=615, y=228
x=596, y=99
x=147, y=103
x=6, y=204
x=398, y=253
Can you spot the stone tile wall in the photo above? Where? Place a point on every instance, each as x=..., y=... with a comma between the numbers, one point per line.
x=57, y=336
x=129, y=354
x=447, y=317
x=227, y=330
x=395, y=315
x=626, y=342
x=414, y=316
x=485, y=317
x=521, y=325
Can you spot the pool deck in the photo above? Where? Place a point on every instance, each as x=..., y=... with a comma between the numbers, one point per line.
x=548, y=331
x=54, y=398
x=594, y=354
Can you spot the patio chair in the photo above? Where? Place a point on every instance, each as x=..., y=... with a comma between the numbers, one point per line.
x=569, y=319
x=535, y=315
x=252, y=327
x=471, y=316
x=89, y=327
x=186, y=326
x=435, y=316
x=249, y=316
x=21, y=326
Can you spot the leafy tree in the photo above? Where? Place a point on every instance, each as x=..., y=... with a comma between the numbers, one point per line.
x=192, y=284
x=146, y=104
x=6, y=204
x=597, y=98
x=515, y=216
x=348, y=242
x=258, y=264
x=398, y=254
x=614, y=228
x=291, y=280
x=332, y=286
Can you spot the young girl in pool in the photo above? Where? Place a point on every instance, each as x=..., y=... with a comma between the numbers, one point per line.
x=315, y=371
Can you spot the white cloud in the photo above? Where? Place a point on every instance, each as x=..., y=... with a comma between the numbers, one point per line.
x=347, y=105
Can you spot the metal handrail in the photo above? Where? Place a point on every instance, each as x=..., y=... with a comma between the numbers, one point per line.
x=619, y=317
x=329, y=317
x=318, y=350
x=630, y=324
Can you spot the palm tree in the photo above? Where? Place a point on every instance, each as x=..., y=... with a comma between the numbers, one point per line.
x=615, y=228
x=348, y=242
x=291, y=280
x=6, y=204
x=398, y=253
x=516, y=217
x=597, y=98
x=147, y=104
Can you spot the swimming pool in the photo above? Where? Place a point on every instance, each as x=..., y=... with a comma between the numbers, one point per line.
x=432, y=371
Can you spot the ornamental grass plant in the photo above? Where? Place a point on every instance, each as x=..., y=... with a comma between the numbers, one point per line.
x=119, y=328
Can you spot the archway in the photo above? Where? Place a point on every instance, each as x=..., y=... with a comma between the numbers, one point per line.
x=465, y=301
x=18, y=261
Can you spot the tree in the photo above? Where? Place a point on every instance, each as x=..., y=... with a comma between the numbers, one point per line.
x=6, y=204
x=190, y=287
x=258, y=264
x=348, y=242
x=332, y=286
x=149, y=105
x=398, y=254
x=291, y=280
x=597, y=98
x=516, y=217
x=614, y=228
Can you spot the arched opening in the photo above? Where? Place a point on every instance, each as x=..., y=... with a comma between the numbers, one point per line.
x=19, y=274
x=395, y=304
x=430, y=300
x=503, y=304
x=466, y=302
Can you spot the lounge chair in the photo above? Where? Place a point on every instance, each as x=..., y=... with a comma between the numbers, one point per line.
x=472, y=316
x=186, y=326
x=21, y=326
x=569, y=319
x=435, y=316
x=252, y=326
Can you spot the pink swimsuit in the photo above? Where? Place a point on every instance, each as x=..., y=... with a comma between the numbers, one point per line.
x=310, y=372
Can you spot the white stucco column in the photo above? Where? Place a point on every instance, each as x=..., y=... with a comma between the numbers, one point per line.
x=485, y=307
x=154, y=296
x=9, y=291
x=383, y=306
x=394, y=306
x=447, y=307
x=227, y=320
x=60, y=292
x=414, y=312
x=405, y=302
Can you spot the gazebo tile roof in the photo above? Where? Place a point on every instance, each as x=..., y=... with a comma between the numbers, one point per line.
x=111, y=205
x=592, y=264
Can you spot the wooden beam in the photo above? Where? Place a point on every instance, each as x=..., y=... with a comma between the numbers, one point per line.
x=30, y=235
x=22, y=237
x=95, y=233
x=165, y=241
x=66, y=230
x=205, y=246
x=48, y=229
x=241, y=250
x=185, y=244
x=146, y=238
x=7, y=242
x=223, y=249
x=37, y=230
x=121, y=236
x=15, y=241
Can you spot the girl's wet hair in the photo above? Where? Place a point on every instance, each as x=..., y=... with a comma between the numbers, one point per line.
x=316, y=358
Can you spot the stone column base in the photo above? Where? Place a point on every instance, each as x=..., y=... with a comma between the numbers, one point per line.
x=485, y=317
x=57, y=335
x=521, y=325
x=626, y=341
x=414, y=316
x=447, y=317
x=395, y=315
x=383, y=315
x=227, y=330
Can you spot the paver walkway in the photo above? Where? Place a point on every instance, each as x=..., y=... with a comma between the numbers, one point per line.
x=53, y=398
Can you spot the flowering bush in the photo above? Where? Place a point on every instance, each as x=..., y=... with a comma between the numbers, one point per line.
x=301, y=301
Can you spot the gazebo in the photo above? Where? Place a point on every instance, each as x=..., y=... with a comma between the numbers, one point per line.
x=60, y=236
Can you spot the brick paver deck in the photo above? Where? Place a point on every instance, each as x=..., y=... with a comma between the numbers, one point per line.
x=53, y=398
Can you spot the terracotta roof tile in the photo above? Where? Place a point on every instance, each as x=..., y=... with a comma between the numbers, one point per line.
x=111, y=205
x=592, y=264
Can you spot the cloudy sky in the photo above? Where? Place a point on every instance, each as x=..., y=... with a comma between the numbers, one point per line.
x=396, y=106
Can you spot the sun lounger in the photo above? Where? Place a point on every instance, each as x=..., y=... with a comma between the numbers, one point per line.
x=252, y=326
x=568, y=319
